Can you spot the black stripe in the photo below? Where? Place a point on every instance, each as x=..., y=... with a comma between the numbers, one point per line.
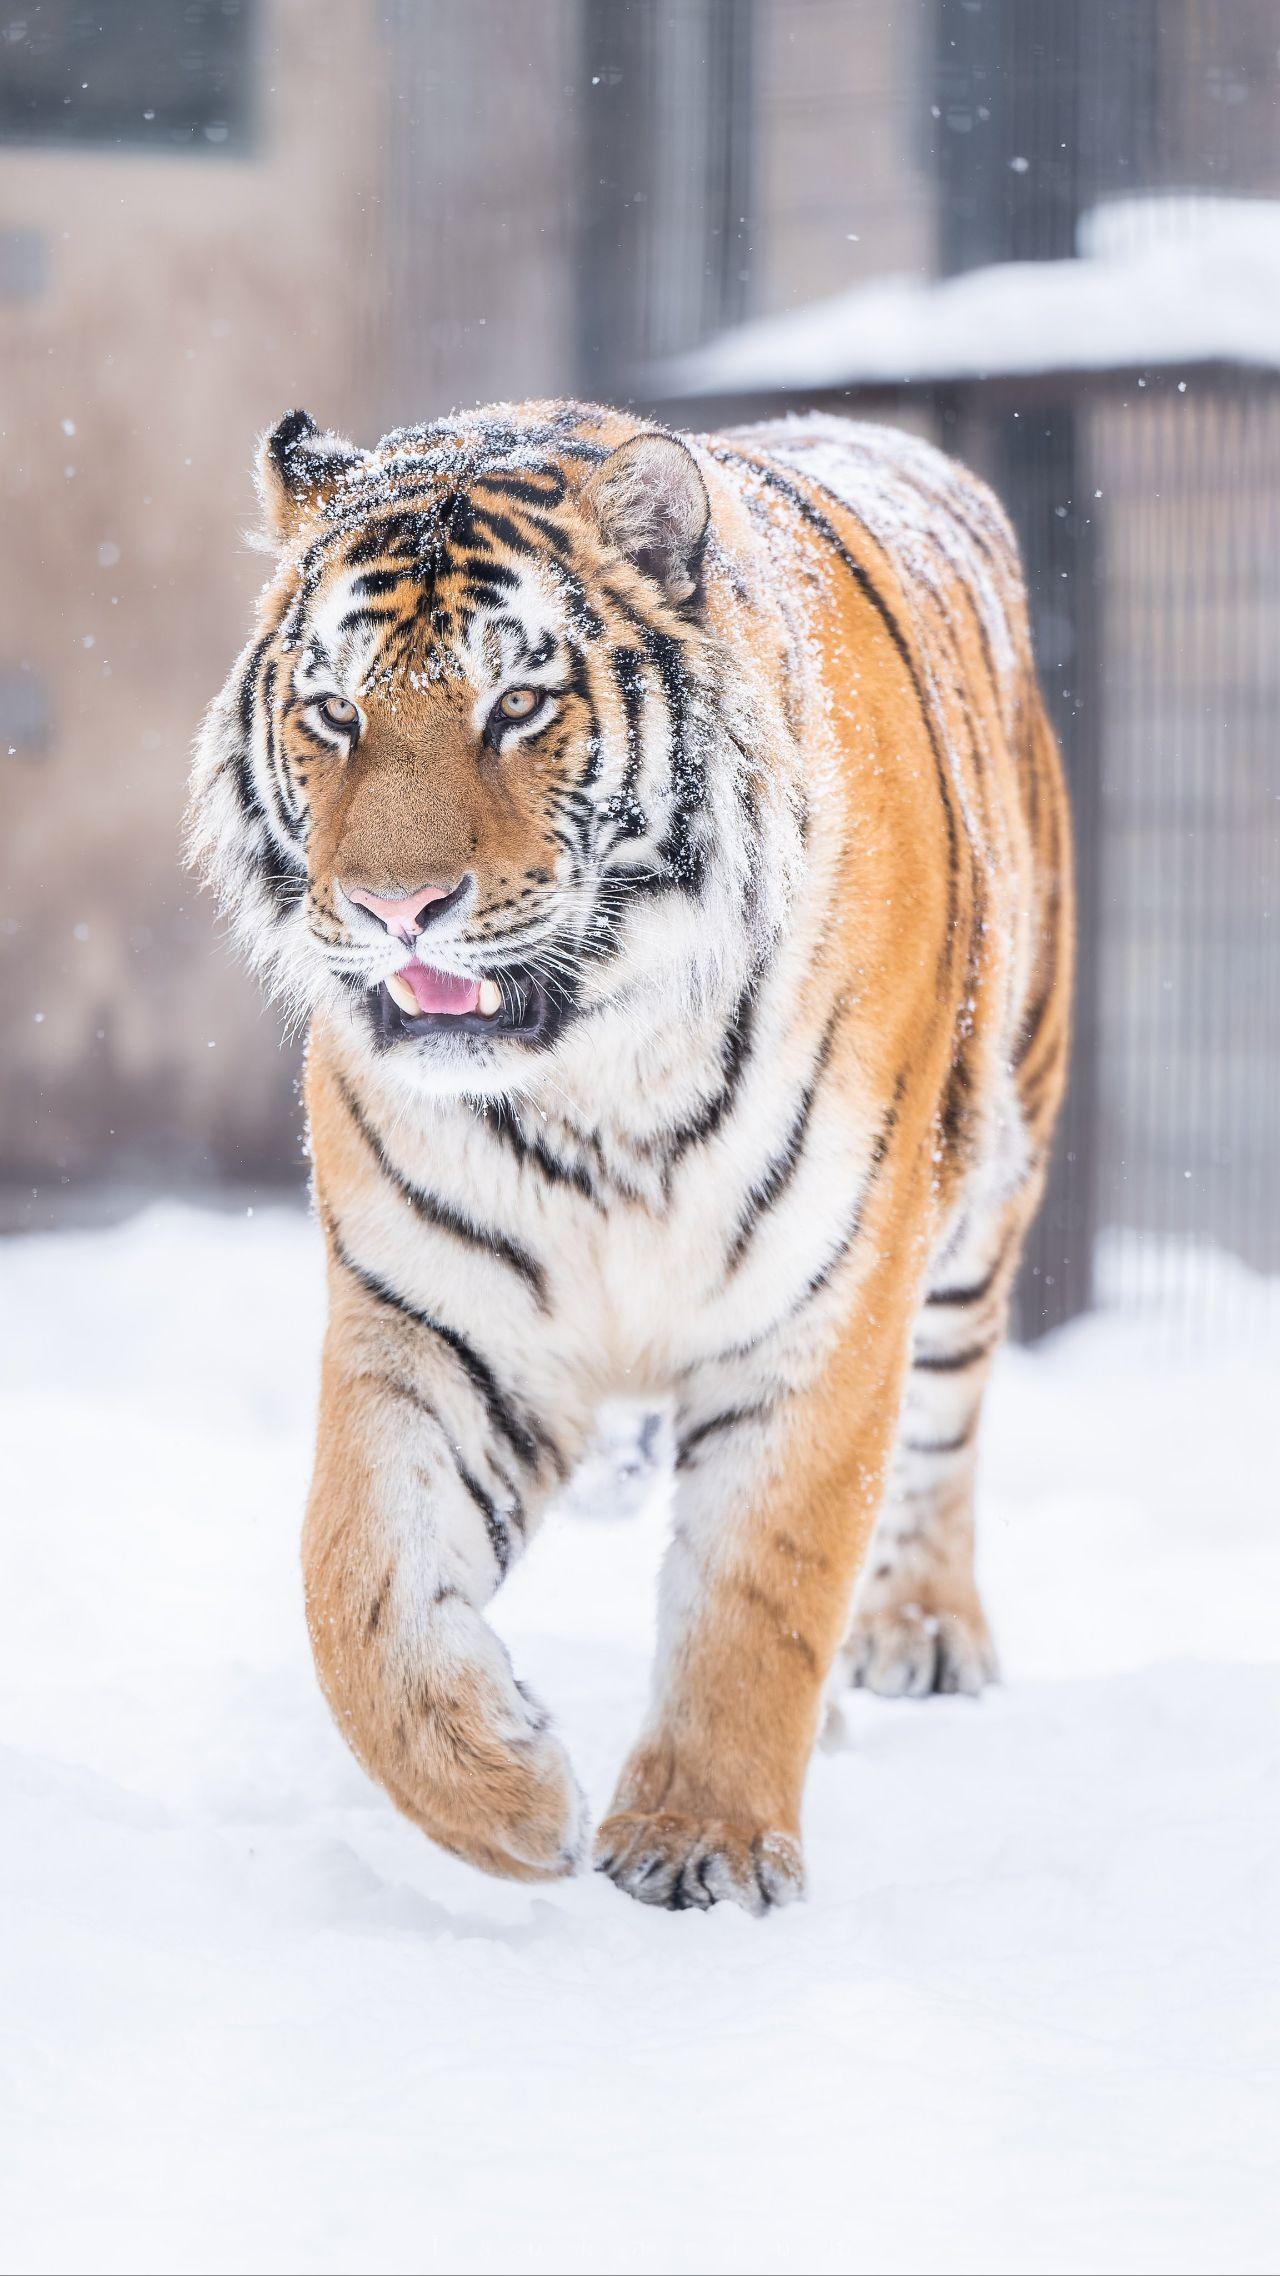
x=949, y=511
x=1049, y=861
x=777, y=1177
x=499, y=1116
x=831, y=1264
x=480, y=573
x=579, y=684
x=526, y=1437
x=956, y=1114
x=501, y=527
x=826, y=1271
x=365, y=620
x=1038, y=1010
x=879, y=1153
x=941, y=1445
x=371, y=582
x=289, y=813
x=376, y=1608
x=1032, y=1088
x=687, y=766
x=261, y=851
x=550, y=533
x=684, y=861
x=728, y=1420
x=247, y=693
x=440, y=1214
x=546, y=488
x=399, y=534
x=309, y=572
x=495, y=1523
x=735, y=1052
x=624, y=810
x=950, y=1362
x=246, y=787
x=398, y=1389
x=976, y=1290
x=780, y=1612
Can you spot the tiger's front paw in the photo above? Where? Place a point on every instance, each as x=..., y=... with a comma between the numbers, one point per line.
x=477, y=1764
x=526, y=1818
x=663, y=1859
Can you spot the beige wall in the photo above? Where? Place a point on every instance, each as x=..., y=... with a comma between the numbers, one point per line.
x=484, y=204
x=189, y=300
x=844, y=192
x=366, y=260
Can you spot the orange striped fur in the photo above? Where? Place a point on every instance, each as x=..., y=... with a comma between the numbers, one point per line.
x=719, y=767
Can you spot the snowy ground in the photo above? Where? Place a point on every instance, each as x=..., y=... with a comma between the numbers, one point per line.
x=1028, y=2019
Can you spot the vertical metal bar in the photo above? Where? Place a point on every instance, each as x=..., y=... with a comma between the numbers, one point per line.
x=667, y=158
x=1008, y=156
x=1039, y=470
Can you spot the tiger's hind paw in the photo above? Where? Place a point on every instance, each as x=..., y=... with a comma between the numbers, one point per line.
x=907, y=1651
x=693, y=1863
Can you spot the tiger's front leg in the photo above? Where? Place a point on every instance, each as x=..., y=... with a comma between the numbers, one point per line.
x=428, y=1481
x=777, y=1496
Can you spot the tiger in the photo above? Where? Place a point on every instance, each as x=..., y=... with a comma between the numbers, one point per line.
x=663, y=842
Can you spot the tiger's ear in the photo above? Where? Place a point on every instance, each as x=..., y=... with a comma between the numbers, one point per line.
x=297, y=468
x=650, y=501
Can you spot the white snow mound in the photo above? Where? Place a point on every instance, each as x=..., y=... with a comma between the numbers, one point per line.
x=1160, y=281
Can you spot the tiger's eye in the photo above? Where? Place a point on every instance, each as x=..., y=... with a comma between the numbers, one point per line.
x=519, y=703
x=337, y=712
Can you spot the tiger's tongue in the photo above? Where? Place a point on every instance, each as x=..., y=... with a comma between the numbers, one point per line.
x=441, y=991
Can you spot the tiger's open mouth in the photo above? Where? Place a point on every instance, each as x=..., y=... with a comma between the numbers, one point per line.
x=419, y=1001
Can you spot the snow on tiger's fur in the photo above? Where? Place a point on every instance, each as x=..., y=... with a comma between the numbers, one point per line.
x=665, y=844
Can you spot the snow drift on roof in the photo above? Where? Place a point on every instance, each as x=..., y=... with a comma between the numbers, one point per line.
x=1162, y=280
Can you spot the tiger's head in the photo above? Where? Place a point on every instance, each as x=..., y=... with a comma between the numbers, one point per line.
x=457, y=788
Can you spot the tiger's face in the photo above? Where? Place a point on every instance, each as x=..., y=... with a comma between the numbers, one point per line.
x=441, y=740
x=470, y=735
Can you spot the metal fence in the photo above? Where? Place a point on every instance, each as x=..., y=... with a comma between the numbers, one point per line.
x=1153, y=553
x=1148, y=505
x=1188, y=981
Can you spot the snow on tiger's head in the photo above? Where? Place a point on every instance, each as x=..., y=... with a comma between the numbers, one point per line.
x=456, y=785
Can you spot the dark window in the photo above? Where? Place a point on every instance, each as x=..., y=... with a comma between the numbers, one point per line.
x=138, y=74
x=24, y=264
x=25, y=719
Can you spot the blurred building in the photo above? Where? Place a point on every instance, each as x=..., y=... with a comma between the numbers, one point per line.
x=180, y=258
x=376, y=208
x=380, y=208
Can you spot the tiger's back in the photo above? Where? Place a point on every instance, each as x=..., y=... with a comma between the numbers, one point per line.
x=929, y=559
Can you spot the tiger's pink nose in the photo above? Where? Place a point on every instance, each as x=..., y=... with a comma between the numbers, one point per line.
x=411, y=913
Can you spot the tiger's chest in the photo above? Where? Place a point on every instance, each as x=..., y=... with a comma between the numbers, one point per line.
x=635, y=1257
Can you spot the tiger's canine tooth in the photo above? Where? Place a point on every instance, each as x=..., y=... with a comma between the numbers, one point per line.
x=490, y=998
x=401, y=993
